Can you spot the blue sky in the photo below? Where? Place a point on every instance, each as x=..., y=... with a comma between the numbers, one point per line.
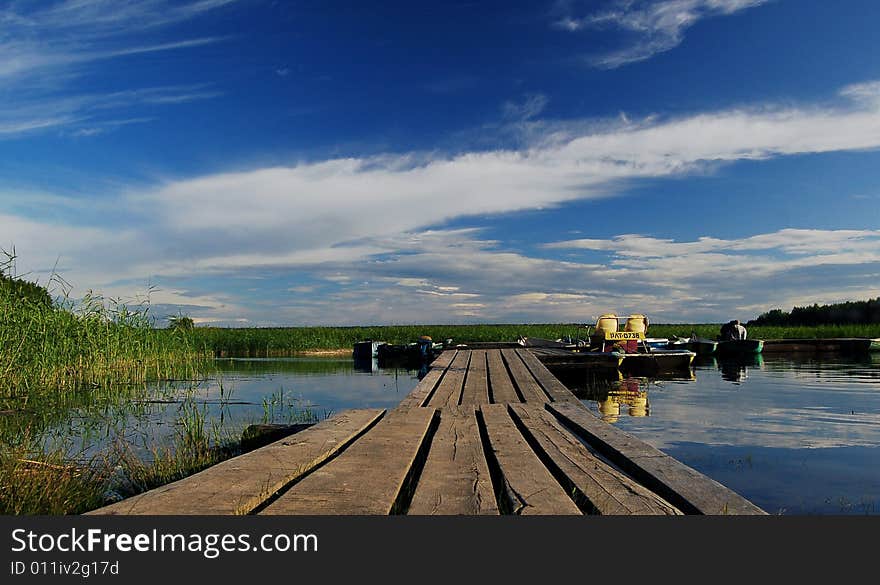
x=253, y=162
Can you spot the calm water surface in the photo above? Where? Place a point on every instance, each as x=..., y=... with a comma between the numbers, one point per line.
x=239, y=392
x=793, y=435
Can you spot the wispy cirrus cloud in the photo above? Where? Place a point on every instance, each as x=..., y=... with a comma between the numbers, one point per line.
x=651, y=26
x=46, y=49
x=88, y=111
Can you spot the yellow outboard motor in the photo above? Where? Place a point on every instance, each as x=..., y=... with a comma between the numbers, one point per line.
x=637, y=323
x=607, y=322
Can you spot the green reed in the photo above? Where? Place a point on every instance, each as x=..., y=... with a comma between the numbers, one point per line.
x=281, y=341
x=711, y=331
x=97, y=344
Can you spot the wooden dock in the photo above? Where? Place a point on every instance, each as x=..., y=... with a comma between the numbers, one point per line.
x=485, y=432
x=845, y=345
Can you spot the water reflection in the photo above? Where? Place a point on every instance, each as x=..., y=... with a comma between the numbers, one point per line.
x=629, y=393
x=613, y=392
x=794, y=433
x=736, y=368
x=237, y=393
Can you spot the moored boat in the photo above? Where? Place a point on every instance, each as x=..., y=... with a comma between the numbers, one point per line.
x=698, y=345
x=657, y=360
x=424, y=350
x=649, y=362
x=846, y=345
x=702, y=346
x=741, y=346
x=561, y=357
x=365, y=350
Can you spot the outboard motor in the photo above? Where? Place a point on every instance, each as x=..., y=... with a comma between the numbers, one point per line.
x=426, y=347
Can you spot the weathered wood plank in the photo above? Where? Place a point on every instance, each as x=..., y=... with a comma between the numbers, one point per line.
x=500, y=385
x=600, y=488
x=370, y=477
x=552, y=386
x=529, y=388
x=427, y=384
x=240, y=484
x=476, y=384
x=448, y=391
x=686, y=488
x=455, y=479
x=531, y=488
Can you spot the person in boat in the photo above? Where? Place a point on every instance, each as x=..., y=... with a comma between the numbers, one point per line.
x=733, y=331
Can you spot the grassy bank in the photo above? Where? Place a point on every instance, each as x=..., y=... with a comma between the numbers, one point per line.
x=282, y=341
x=97, y=345
x=64, y=366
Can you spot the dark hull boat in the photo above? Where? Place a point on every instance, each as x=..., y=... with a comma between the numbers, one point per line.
x=641, y=363
x=740, y=346
x=698, y=345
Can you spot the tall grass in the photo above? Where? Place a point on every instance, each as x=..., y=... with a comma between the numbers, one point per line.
x=96, y=344
x=711, y=331
x=282, y=341
x=60, y=360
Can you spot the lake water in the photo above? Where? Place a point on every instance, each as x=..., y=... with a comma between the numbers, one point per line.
x=238, y=393
x=795, y=436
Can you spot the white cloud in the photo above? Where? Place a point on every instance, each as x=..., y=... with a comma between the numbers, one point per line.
x=528, y=108
x=351, y=221
x=656, y=26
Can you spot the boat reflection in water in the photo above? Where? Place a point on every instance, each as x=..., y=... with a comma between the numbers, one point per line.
x=628, y=393
x=615, y=393
x=734, y=368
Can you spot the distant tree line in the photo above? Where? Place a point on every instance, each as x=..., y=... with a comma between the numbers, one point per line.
x=852, y=312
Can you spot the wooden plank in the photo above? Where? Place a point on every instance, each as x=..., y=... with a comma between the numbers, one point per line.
x=476, y=384
x=240, y=484
x=686, y=488
x=448, y=391
x=455, y=479
x=370, y=477
x=552, y=386
x=601, y=488
x=427, y=384
x=530, y=487
x=529, y=388
x=500, y=385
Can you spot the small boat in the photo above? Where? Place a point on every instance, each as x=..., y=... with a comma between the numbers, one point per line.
x=425, y=350
x=701, y=346
x=643, y=362
x=657, y=342
x=698, y=345
x=539, y=342
x=741, y=346
x=846, y=345
x=565, y=358
x=657, y=360
x=366, y=350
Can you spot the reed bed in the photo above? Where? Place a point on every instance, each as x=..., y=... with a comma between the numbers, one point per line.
x=286, y=341
x=98, y=344
x=282, y=341
x=65, y=365
x=711, y=331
